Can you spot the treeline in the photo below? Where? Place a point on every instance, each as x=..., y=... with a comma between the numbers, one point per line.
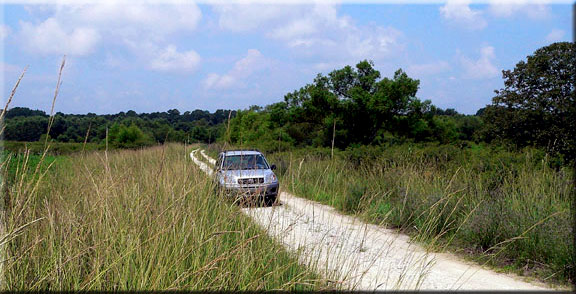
x=124, y=130
x=351, y=107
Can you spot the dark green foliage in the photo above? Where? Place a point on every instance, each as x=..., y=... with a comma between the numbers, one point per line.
x=537, y=106
x=23, y=124
x=23, y=111
x=258, y=128
x=25, y=128
x=122, y=136
x=350, y=107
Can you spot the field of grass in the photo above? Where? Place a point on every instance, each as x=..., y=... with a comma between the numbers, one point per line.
x=134, y=220
x=506, y=209
x=56, y=148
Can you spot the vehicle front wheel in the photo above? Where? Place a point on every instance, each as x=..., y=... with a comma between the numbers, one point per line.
x=269, y=200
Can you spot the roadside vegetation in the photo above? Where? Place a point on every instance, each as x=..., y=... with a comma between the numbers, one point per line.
x=56, y=148
x=134, y=220
x=505, y=209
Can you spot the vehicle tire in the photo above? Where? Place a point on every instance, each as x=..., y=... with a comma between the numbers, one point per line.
x=269, y=200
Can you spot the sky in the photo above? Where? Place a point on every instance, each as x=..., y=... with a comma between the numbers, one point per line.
x=211, y=55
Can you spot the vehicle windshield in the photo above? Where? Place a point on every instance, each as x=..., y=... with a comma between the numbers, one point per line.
x=252, y=161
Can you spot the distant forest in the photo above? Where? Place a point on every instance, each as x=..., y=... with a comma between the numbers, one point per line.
x=125, y=129
x=200, y=126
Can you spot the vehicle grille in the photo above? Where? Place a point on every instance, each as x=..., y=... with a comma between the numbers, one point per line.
x=250, y=181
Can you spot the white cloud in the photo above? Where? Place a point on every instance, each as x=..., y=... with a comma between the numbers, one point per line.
x=483, y=67
x=297, y=28
x=133, y=20
x=4, y=31
x=169, y=59
x=245, y=17
x=459, y=13
x=313, y=31
x=428, y=69
x=49, y=37
x=525, y=8
x=555, y=35
x=253, y=62
x=216, y=81
x=78, y=29
x=372, y=42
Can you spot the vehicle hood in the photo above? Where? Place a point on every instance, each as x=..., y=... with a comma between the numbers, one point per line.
x=248, y=173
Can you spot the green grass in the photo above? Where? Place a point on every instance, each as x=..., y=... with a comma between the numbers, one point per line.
x=23, y=164
x=136, y=220
x=505, y=209
x=56, y=148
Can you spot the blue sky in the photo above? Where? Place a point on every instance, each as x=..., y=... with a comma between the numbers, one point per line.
x=209, y=55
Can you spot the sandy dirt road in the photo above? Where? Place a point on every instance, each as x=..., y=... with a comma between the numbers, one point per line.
x=362, y=256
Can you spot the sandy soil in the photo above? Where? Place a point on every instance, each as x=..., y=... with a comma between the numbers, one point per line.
x=362, y=256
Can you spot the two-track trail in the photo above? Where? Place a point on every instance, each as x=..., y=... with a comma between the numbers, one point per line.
x=362, y=256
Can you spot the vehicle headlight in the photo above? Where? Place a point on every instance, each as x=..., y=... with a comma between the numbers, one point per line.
x=270, y=178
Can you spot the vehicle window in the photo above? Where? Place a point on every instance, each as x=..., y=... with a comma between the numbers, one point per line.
x=253, y=161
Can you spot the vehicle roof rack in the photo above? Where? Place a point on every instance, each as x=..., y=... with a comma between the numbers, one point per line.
x=246, y=149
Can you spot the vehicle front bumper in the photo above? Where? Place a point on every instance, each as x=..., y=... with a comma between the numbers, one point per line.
x=252, y=190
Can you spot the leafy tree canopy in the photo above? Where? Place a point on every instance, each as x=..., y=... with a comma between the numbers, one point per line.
x=537, y=105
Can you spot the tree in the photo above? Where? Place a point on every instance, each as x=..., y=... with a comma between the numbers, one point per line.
x=25, y=128
x=128, y=137
x=354, y=105
x=537, y=106
x=23, y=111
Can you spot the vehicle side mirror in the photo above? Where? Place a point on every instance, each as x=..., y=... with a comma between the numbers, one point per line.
x=273, y=167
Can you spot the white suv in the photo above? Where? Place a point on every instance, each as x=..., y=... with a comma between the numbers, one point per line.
x=245, y=174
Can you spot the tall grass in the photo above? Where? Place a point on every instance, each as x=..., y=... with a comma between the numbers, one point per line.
x=136, y=220
x=507, y=209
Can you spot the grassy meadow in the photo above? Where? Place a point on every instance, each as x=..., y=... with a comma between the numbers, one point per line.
x=132, y=220
x=506, y=209
x=56, y=148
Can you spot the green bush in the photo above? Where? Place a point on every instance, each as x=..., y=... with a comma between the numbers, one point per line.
x=121, y=136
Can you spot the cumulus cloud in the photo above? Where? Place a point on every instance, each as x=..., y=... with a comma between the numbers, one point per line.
x=313, y=30
x=79, y=29
x=253, y=62
x=525, y=8
x=372, y=42
x=148, y=21
x=483, y=67
x=49, y=37
x=169, y=59
x=165, y=18
x=245, y=17
x=295, y=29
x=459, y=13
x=555, y=35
